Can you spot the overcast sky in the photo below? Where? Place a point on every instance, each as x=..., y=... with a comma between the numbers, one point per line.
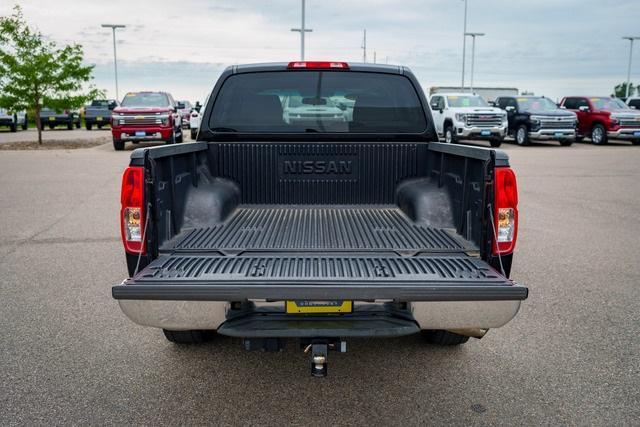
x=550, y=47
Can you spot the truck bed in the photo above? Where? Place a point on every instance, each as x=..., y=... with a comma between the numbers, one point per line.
x=228, y=232
x=325, y=229
x=306, y=252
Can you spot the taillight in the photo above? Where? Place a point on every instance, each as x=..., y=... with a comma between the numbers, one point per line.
x=132, y=215
x=506, y=210
x=318, y=65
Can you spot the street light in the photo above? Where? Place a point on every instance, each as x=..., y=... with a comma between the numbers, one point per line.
x=115, y=58
x=464, y=42
x=631, y=39
x=302, y=30
x=473, y=52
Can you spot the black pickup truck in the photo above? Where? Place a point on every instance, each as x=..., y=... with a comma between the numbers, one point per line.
x=536, y=118
x=318, y=228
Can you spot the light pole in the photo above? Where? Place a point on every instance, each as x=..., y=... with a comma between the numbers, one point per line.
x=302, y=30
x=115, y=58
x=364, y=46
x=473, y=52
x=631, y=39
x=464, y=42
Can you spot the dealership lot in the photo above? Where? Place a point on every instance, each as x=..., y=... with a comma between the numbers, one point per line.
x=69, y=355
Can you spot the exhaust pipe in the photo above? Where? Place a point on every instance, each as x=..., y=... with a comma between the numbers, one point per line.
x=470, y=332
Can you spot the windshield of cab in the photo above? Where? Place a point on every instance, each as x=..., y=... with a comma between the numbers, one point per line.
x=148, y=99
x=466, y=101
x=318, y=101
x=536, y=104
x=608, y=104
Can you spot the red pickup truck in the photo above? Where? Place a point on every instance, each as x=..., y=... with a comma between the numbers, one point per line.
x=146, y=116
x=602, y=118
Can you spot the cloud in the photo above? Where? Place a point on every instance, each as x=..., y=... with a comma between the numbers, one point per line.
x=548, y=46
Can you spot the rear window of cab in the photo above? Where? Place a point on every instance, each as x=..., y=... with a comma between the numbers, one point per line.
x=318, y=101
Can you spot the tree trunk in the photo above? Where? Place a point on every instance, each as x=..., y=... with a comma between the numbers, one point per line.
x=38, y=124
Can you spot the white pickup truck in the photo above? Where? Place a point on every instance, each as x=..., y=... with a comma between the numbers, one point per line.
x=467, y=116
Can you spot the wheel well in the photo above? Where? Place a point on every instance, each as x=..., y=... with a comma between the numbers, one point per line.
x=597, y=122
x=447, y=122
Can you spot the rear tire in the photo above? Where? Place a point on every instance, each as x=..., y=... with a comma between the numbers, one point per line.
x=118, y=144
x=180, y=138
x=13, y=127
x=440, y=337
x=522, y=135
x=449, y=135
x=26, y=123
x=172, y=138
x=100, y=127
x=598, y=134
x=188, y=337
x=52, y=126
x=495, y=142
x=636, y=142
x=88, y=126
x=194, y=134
x=70, y=126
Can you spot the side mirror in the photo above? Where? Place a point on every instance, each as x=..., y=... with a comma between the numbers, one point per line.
x=492, y=103
x=584, y=108
x=510, y=108
x=180, y=106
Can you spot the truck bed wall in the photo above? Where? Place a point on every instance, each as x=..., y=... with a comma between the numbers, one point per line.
x=199, y=188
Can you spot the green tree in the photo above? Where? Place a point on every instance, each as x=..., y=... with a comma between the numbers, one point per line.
x=620, y=90
x=35, y=72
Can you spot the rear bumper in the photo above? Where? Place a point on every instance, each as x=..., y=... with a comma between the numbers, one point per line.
x=184, y=307
x=56, y=121
x=210, y=315
x=106, y=120
x=555, y=134
x=625, y=133
x=152, y=133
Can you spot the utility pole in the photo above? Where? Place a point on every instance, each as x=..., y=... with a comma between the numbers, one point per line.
x=302, y=30
x=473, y=52
x=631, y=39
x=364, y=46
x=464, y=42
x=374, y=57
x=115, y=58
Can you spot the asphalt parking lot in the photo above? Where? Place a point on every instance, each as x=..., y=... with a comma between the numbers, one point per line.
x=68, y=355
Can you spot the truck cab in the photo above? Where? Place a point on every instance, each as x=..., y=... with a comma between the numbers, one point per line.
x=602, y=118
x=146, y=116
x=467, y=116
x=537, y=118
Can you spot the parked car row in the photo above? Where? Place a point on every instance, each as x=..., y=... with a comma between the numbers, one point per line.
x=535, y=118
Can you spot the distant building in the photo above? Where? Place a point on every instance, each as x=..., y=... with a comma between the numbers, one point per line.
x=488, y=93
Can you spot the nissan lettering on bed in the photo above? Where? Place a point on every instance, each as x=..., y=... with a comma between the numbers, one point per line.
x=317, y=205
